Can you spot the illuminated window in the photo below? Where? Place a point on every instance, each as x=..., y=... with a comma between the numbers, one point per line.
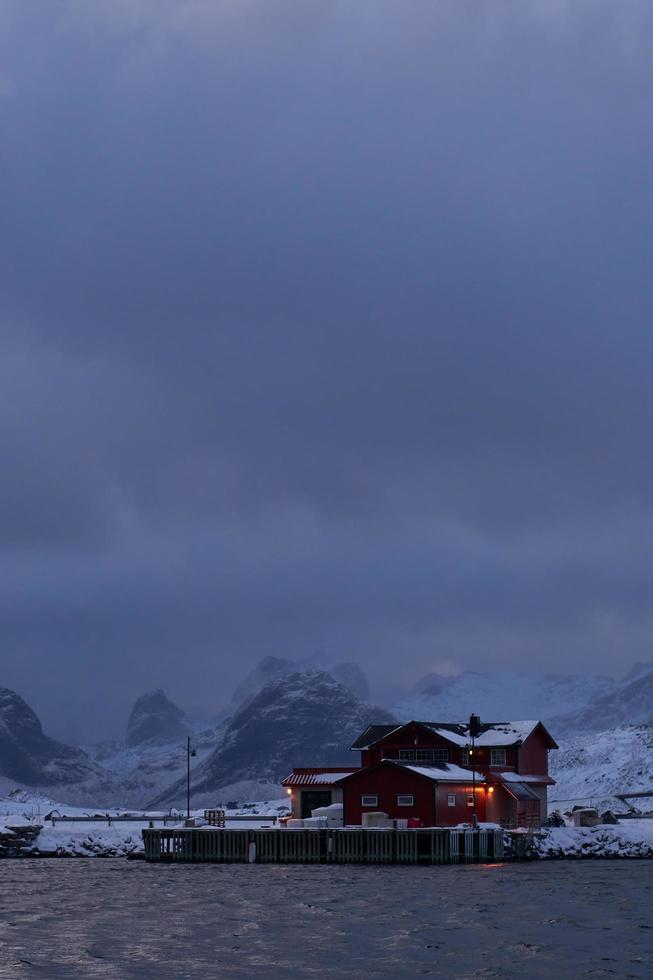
x=369, y=801
x=451, y=799
x=405, y=801
x=497, y=757
x=470, y=799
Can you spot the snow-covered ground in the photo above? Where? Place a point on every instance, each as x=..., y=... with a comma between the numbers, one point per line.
x=589, y=769
x=630, y=838
x=104, y=839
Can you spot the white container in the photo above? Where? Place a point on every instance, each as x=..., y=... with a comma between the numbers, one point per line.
x=294, y=824
x=334, y=810
x=376, y=819
x=315, y=823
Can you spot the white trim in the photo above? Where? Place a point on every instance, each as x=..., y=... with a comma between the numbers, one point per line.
x=369, y=799
x=405, y=797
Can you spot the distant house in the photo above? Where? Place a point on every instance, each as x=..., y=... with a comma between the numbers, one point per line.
x=429, y=773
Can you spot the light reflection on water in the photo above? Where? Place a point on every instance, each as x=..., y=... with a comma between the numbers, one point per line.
x=95, y=918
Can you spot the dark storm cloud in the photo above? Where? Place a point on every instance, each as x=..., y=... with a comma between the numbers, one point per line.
x=325, y=327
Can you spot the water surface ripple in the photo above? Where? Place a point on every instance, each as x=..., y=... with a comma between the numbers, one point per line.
x=104, y=918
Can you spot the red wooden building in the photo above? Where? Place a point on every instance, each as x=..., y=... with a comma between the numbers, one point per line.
x=429, y=773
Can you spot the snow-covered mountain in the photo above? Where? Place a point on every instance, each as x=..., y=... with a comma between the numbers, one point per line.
x=28, y=757
x=300, y=719
x=267, y=671
x=153, y=755
x=293, y=717
x=147, y=770
x=627, y=702
x=590, y=768
x=155, y=720
x=271, y=669
x=502, y=695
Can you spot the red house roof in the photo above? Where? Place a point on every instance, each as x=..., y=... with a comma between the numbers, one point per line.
x=439, y=772
x=495, y=733
x=317, y=777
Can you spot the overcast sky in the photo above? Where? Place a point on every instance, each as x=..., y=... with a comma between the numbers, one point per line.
x=326, y=328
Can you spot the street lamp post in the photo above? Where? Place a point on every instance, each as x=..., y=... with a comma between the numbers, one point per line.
x=189, y=752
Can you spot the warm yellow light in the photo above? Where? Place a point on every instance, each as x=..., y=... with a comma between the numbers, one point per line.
x=491, y=789
x=289, y=791
x=470, y=752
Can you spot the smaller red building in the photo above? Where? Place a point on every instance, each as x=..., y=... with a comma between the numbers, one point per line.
x=431, y=774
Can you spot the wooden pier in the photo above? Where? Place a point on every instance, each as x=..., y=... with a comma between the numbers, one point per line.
x=348, y=846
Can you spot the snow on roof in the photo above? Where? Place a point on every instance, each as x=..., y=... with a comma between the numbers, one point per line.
x=518, y=777
x=494, y=733
x=443, y=772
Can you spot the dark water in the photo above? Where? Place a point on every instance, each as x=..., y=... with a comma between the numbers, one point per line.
x=119, y=919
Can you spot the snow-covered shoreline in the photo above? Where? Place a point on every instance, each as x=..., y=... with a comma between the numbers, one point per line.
x=630, y=839
x=21, y=815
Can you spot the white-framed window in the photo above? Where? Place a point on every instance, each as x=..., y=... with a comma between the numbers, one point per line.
x=497, y=757
x=451, y=799
x=369, y=801
x=405, y=800
x=424, y=755
x=470, y=799
x=466, y=756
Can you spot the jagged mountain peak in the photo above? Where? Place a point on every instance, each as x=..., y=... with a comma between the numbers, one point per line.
x=270, y=669
x=267, y=670
x=155, y=719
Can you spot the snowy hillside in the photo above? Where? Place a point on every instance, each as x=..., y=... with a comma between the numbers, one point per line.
x=591, y=768
x=628, y=702
x=145, y=771
x=502, y=695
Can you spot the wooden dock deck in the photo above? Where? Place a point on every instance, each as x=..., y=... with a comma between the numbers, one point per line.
x=347, y=846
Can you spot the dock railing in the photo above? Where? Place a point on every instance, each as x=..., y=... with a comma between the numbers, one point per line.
x=438, y=845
